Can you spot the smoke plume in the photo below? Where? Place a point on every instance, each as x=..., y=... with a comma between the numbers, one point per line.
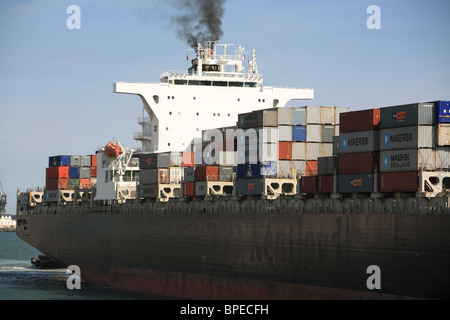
x=199, y=20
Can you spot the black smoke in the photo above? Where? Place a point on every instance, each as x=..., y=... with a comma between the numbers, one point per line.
x=199, y=21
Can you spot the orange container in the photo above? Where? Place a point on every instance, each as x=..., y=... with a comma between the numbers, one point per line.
x=57, y=172
x=85, y=183
x=189, y=189
x=284, y=150
x=311, y=168
x=188, y=159
x=94, y=160
x=207, y=173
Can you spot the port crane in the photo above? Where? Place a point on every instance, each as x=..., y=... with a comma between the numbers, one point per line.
x=2, y=199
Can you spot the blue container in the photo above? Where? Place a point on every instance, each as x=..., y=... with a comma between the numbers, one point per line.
x=299, y=133
x=74, y=172
x=58, y=161
x=249, y=170
x=269, y=169
x=443, y=111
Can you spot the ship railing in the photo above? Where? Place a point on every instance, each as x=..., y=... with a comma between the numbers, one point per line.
x=183, y=74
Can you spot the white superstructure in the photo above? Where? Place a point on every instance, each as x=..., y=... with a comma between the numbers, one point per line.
x=210, y=95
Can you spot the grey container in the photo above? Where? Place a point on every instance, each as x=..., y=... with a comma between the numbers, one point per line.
x=407, y=138
x=75, y=161
x=299, y=168
x=298, y=116
x=225, y=173
x=313, y=132
x=362, y=141
x=407, y=115
x=349, y=183
x=258, y=118
x=443, y=158
x=284, y=115
x=327, y=165
x=298, y=150
x=154, y=160
x=152, y=176
x=85, y=161
x=249, y=187
x=407, y=160
x=327, y=133
x=85, y=172
x=189, y=174
x=285, y=133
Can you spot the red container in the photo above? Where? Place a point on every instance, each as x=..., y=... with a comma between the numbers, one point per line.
x=57, y=172
x=85, y=183
x=284, y=150
x=308, y=185
x=207, y=173
x=189, y=189
x=188, y=159
x=363, y=120
x=93, y=171
x=325, y=184
x=311, y=168
x=362, y=162
x=94, y=160
x=399, y=181
x=57, y=184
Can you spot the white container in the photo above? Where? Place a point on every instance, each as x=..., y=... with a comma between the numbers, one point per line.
x=313, y=150
x=298, y=150
x=285, y=169
x=285, y=133
x=299, y=167
x=176, y=175
x=443, y=134
x=443, y=158
x=313, y=132
x=327, y=115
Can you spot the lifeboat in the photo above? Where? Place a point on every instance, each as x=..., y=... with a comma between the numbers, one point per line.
x=112, y=150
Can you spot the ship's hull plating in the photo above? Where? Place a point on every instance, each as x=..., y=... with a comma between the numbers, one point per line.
x=251, y=256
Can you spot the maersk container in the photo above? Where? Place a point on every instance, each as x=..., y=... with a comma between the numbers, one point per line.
x=399, y=182
x=349, y=183
x=362, y=141
x=258, y=118
x=362, y=120
x=327, y=165
x=154, y=160
x=298, y=116
x=407, y=160
x=443, y=134
x=442, y=111
x=74, y=172
x=407, y=115
x=443, y=158
x=299, y=133
x=355, y=163
x=58, y=161
x=249, y=187
x=407, y=138
x=336, y=145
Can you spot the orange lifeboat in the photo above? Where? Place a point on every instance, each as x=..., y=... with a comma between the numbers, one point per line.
x=112, y=150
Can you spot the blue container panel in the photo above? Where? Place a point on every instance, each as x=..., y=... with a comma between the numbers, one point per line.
x=249, y=170
x=269, y=169
x=299, y=133
x=443, y=111
x=74, y=172
x=58, y=161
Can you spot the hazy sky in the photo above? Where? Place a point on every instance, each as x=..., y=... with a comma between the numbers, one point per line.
x=56, y=84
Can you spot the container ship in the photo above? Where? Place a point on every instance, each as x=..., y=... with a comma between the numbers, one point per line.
x=234, y=195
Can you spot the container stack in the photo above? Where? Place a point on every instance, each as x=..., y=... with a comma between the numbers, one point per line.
x=412, y=139
x=70, y=172
x=161, y=175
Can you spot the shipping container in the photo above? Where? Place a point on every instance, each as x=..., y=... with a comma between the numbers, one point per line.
x=74, y=172
x=311, y=168
x=249, y=187
x=152, y=176
x=315, y=150
x=299, y=167
x=85, y=172
x=443, y=158
x=188, y=159
x=284, y=115
x=57, y=183
x=176, y=159
x=94, y=160
x=74, y=183
x=225, y=173
x=201, y=188
x=154, y=160
x=207, y=173
x=285, y=169
x=338, y=112
x=299, y=116
x=189, y=189
x=407, y=138
x=85, y=161
x=354, y=163
x=313, y=132
x=228, y=158
x=245, y=171
x=349, y=183
x=407, y=115
x=327, y=133
x=325, y=184
x=285, y=133
x=299, y=151
x=299, y=133
x=442, y=111
x=407, y=160
x=285, y=150
x=93, y=171
x=261, y=135
x=308, y=185
x=85, y=183
x=176, y=175
x=399, y=182
x=258, y=118
x=75, y=161
x=362, y=141
x=189, y=174
x=269, y=169
x=258, y=153
x=327, y=165
x=443, y=134
x=93, y=182
x=58, y=161
x=57, y=172
x=336, y=145
x=362, y=120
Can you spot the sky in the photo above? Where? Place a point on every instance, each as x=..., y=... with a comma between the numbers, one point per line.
x=56, y=83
